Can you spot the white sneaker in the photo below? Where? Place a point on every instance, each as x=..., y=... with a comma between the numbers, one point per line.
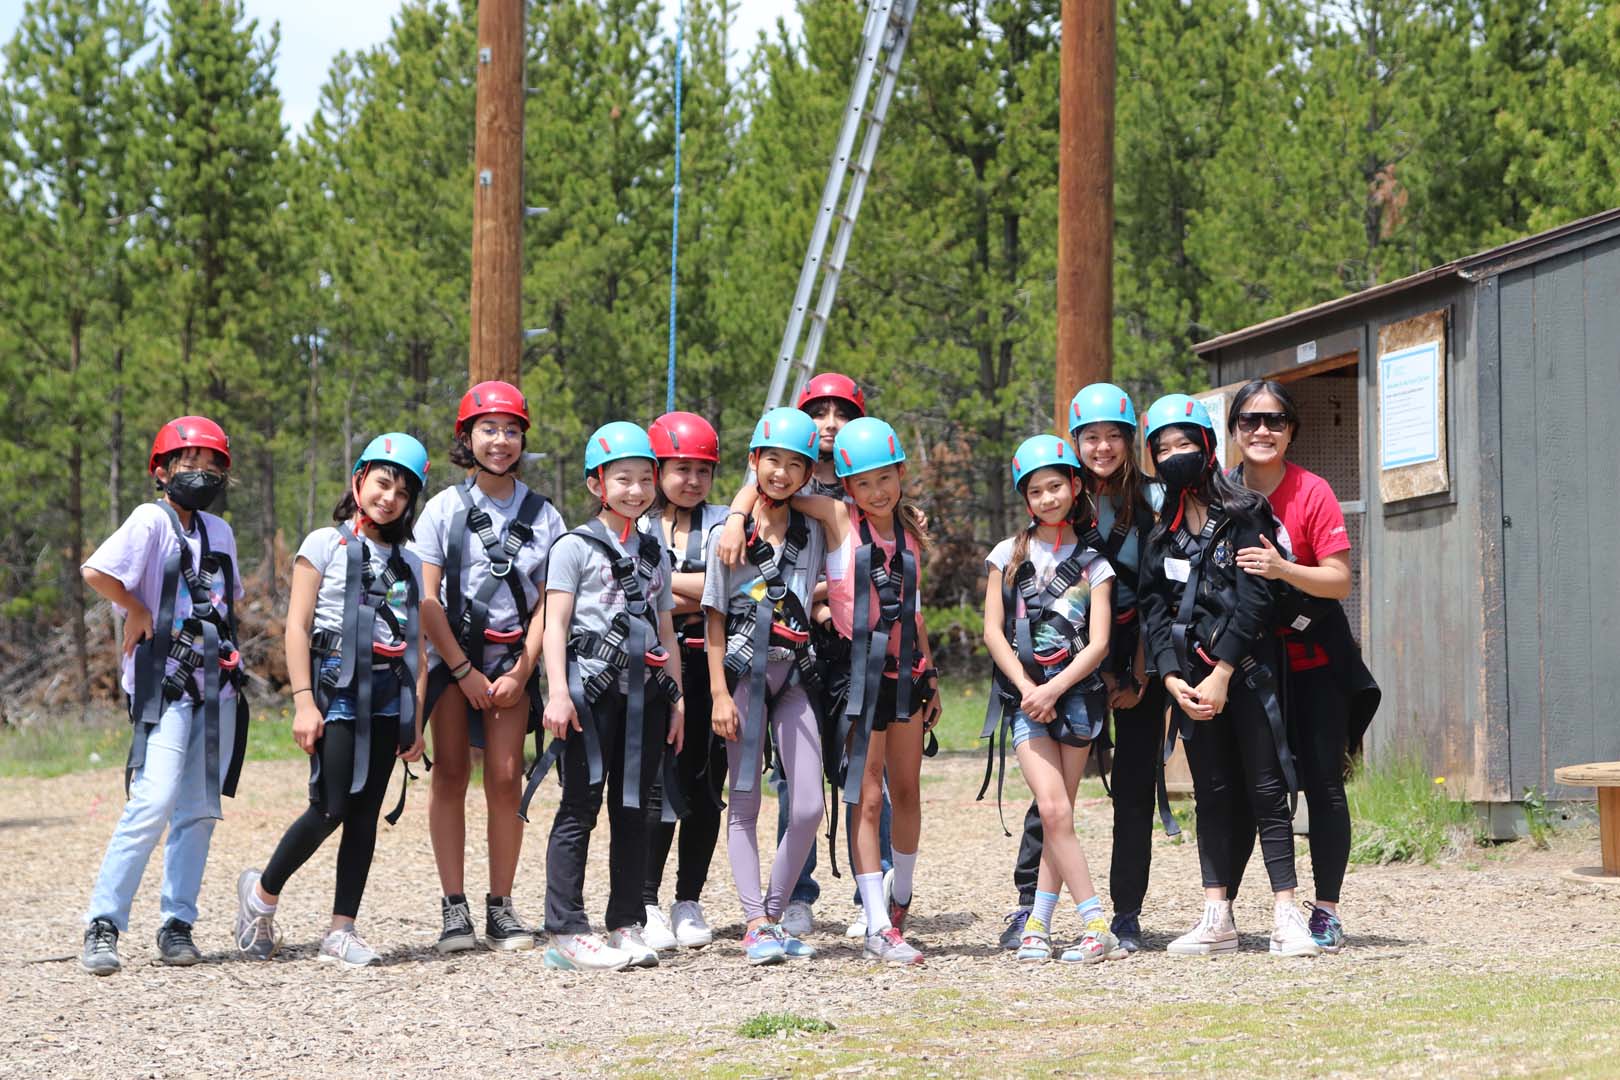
x=857, y=929
x=347, y=948
x=1292, y=934
x=584, y=952
x=798, y=919
x=1214, y=933
x=657, y=934
x=628, y=939
x=692, y=930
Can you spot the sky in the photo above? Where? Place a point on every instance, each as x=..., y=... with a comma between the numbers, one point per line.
x=314, y=31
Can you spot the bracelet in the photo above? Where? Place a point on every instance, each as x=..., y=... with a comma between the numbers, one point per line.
x=736, y=513
x=303, y=690
x=461, y=670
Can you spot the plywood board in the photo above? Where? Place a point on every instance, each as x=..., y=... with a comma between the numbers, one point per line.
x=1412, y=459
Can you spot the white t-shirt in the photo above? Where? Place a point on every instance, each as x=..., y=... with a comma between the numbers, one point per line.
x=1075, y=604
x=432, y=543
x=323, y=550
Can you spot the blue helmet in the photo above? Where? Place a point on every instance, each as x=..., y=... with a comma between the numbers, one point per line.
x=396, y=448
x=1041, y=452
x=616, y=441
x=1173, y=409
x=787, y=429
x=1101, y=403
x=864, y=444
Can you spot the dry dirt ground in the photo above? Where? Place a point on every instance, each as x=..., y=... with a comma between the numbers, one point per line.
x=1486, y=964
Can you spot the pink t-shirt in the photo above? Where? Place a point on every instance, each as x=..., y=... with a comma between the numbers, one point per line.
x=1310, y=514
x=841, y=582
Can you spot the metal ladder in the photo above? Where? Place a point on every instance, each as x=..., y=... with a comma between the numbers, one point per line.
x=888, y=29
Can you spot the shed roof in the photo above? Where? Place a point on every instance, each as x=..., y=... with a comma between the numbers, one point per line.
x=1517, y=253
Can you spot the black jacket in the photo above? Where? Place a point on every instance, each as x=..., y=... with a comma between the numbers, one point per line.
x=1233, y=611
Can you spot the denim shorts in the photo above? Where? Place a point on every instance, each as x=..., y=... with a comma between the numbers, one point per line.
x=1071, y=707
x=384, y=693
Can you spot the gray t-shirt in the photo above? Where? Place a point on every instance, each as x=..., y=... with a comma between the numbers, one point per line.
x=729, y=588
x=432, y=542
x=323, y=550
x=712, y=516
x=580, y=567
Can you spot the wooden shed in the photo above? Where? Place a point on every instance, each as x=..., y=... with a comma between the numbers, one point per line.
x=1468, y=417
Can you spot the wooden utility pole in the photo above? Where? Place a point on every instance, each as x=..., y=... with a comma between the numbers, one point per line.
x=497, y=242
x=1085, y=292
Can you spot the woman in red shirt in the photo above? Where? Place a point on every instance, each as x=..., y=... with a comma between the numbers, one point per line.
x=1327, y=707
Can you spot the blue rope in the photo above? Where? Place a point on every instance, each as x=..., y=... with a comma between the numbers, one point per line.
x=675, y=224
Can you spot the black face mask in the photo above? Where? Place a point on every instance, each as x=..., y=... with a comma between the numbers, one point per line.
x=194, y=490
x=1182, y=471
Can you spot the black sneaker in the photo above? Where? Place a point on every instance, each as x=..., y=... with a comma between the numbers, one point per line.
x=1129, y=933
x=100, y=948
x=458, y=934
x=175, y=946
x=502, y=928
x=1013, y=936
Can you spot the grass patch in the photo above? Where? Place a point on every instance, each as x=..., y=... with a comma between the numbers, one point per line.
x=46, y=750
x=768, y=1025
x=1401, y=813
x=963, y=702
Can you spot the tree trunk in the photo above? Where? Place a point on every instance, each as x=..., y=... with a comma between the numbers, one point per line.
x=81, y=635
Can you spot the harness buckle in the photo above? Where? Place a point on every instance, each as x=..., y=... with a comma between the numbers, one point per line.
x=656, y=657
x=776, y=593
x=500, y=569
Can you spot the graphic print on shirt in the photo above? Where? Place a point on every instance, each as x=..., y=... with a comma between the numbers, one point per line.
x=1074, y=607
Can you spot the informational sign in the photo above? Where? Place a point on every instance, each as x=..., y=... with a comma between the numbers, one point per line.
x=1412, y=455
x=1409, y=402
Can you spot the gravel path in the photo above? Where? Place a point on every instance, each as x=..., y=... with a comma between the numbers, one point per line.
x=422, y=1015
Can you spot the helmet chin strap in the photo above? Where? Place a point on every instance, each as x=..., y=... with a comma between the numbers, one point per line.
x=357, y=482
x=629, y=522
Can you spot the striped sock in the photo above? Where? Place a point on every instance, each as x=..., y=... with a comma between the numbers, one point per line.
x=1089, y=909
x=1045, y=908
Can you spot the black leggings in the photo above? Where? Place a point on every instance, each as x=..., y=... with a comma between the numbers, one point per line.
x=581, y=804
x=1238, y=784
x=1318, y=721
x=1138, y=738
x=701, y=766
x=356, y=813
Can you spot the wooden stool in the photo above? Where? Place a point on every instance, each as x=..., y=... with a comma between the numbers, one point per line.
x=1605, y=776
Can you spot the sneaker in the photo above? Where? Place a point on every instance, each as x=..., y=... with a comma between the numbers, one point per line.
x=1128, y=932
x=256, y=935
x=1326, y=930
x=1214, y=933
x=175, y=947
x=1291, y=936
x=502, y=928
x=584, y=952
x=628, y=940
x=100, y=948
x=792, y=947
x=457, y=935
x=761, y=946
x=657, y=932
x=347, y=948
x=798, y=920
x=1036, y=944
x=889, y=947
x=1012, y=935
x=857, y=928
x=1096, y=944
x=691, y=929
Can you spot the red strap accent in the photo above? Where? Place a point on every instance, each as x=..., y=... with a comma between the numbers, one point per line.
x=1056, y=656
x=797, y=637
x=657, y=657
x=1199, y=649
x=503, y=637
x=388, y=650
x=231, y=662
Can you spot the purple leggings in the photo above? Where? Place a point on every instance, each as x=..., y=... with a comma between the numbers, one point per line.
x=798, y=740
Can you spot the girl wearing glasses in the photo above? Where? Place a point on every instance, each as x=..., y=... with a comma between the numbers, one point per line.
x=483, y=545
x=1330, y=694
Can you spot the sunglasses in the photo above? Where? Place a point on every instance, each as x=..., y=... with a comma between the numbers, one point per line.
x=1250, y=422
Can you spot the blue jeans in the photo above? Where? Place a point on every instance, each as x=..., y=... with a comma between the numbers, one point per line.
x=384, y=693
x=1071, y=707
x=168, y=790
x=807, y=889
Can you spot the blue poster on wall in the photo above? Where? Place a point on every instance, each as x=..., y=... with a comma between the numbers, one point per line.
x=1409, y=406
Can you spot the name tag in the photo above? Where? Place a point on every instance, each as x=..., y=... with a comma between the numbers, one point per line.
x=1301, y=623
x=1177, y=569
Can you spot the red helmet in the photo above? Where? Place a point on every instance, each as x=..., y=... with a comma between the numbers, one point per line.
x=832, y=385
x=492, y=397
x=184, y=431
x=684, y=435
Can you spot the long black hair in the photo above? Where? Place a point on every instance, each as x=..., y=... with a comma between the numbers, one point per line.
x=1215, y=488
x=401, y=528
x=1253, y=389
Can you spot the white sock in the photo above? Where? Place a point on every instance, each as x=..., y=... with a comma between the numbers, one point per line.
x=257, y=905
x=877, y=912
x=905, y=872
